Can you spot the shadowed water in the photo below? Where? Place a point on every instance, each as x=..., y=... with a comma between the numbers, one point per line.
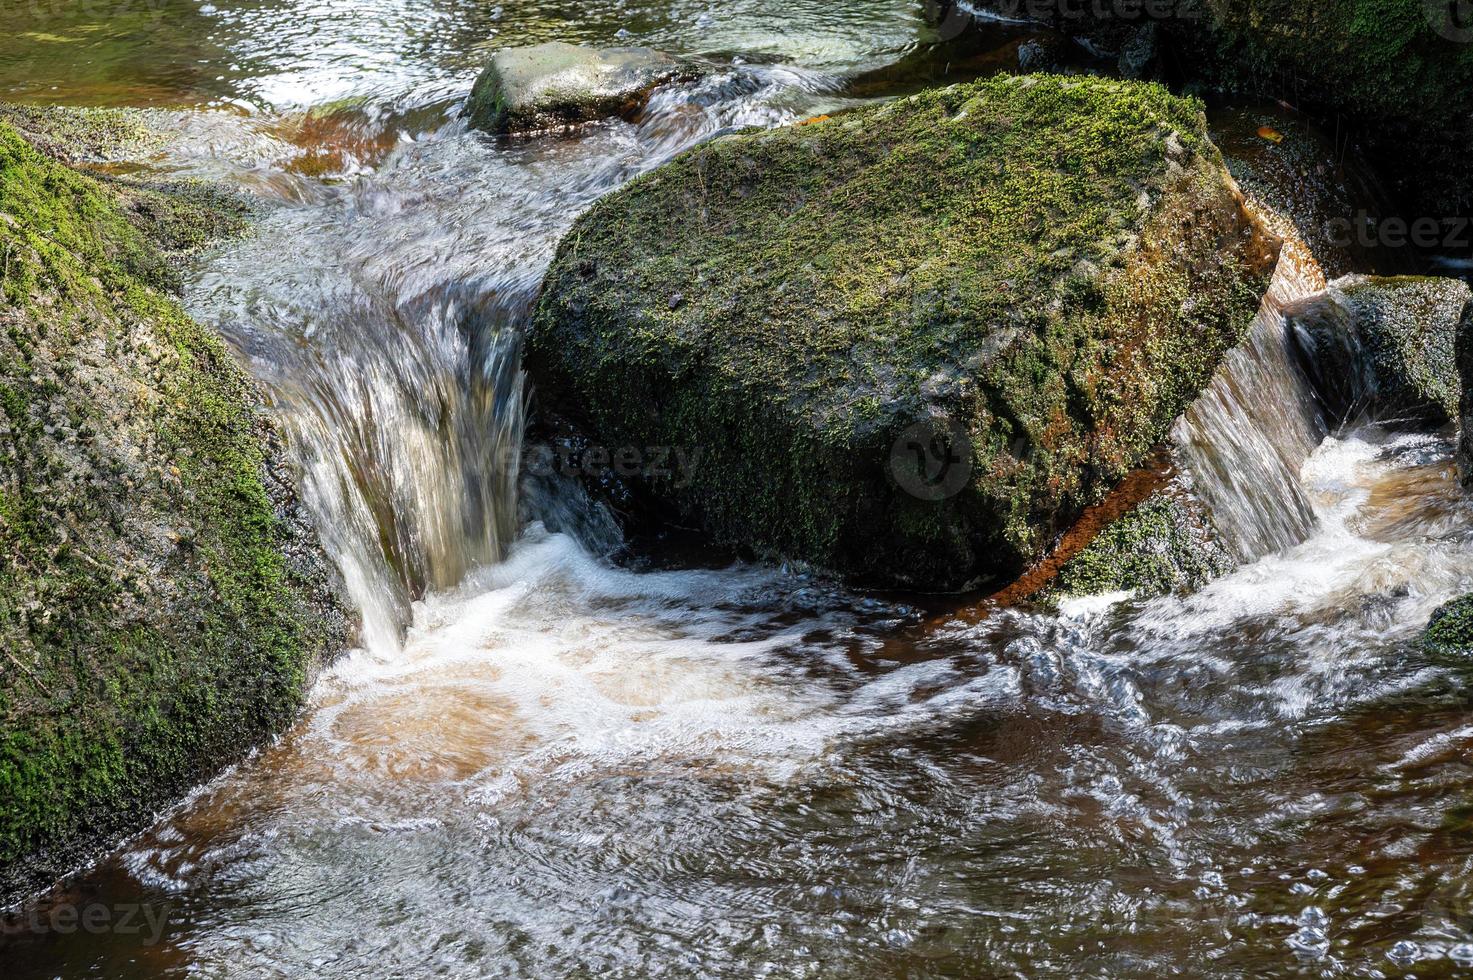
x=541, y=764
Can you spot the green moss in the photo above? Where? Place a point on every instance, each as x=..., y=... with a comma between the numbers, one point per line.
x=155, y=619
x=1054, y=264
x=1159, y=547
x=86, y=134
x=1384, y=345
x=1451, y=629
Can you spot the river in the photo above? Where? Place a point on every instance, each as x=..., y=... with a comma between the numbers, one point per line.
x=548, y=760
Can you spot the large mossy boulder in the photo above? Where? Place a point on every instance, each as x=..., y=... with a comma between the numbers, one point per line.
x=163, y=603
x=557, y=85
x=1384, y=346
x=909, y=343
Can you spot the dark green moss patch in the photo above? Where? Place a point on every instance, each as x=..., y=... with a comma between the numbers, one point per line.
x=1451, y=630
x=1163, y=546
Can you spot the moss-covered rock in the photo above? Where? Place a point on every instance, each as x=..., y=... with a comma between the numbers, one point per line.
x=86, y=134
x=1463, y=352
x=1165, y=545
x=1396, y=72
x=556, y=85
x=1384, y=346
x=1044, y=270
x=163, y=602
x=1451, y=630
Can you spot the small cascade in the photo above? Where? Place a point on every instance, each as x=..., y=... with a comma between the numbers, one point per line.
x=408, y=446
x=1243, y=442
x=383, y=314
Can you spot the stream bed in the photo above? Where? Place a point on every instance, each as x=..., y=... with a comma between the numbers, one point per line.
x=544, y=762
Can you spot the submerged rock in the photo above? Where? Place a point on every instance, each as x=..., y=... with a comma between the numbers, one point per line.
x=1385, y=346
x=556, y=85
x=163, y=601
x=918, y=339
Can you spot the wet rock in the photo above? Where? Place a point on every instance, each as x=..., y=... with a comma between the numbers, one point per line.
x=1308, y=190
x=163, y=601
x=1463, y=351
x=87, y=134
x=957, y=48
x=1040, y=54
x=1395, y=72
x=1166, y=544
x=1450, y=632
x=557, y=85
x=1137, y=56
x=833, y=271
x=1384, y=346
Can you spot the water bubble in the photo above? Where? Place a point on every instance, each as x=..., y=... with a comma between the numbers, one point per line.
x=1404, y=953
x=1311, y=939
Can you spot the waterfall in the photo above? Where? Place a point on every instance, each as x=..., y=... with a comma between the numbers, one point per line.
x=383, y=316
x=1242, y=443
x=408, y=444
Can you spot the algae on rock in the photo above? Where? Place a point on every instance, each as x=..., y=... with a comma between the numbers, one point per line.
x=1385, y=346
x=1051, y=266
x=1166, y=544
x=1450, y=633
x=163, y=601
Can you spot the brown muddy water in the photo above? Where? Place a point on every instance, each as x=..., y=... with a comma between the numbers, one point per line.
x=545, y=763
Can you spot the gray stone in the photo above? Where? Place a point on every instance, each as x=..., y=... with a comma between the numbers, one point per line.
x=1384, y=346
x=557, y=85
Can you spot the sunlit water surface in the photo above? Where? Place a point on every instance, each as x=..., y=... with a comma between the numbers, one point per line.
x=543, y=764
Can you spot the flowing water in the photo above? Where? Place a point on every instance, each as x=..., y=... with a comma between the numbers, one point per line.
x=542, y=763
x=1244, y=442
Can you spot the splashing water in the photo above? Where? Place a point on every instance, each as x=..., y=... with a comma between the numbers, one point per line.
x=1243, y=441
